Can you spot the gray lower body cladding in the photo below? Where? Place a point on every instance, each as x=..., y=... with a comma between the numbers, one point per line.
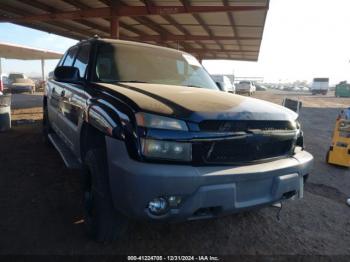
x=207, y=191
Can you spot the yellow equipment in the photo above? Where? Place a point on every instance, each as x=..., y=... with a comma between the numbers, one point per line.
x=339, y=152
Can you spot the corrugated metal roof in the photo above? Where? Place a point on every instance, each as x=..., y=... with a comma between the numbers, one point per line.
x=232, y=32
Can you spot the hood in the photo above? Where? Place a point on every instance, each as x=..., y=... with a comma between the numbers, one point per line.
x=197, y=104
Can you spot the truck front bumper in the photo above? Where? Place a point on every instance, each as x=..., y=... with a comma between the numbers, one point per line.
x=21, y=88
x=206, y=191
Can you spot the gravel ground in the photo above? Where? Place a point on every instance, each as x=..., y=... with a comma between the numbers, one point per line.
x=41, y=209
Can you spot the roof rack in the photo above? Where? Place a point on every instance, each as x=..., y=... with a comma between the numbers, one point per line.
x=95, y=37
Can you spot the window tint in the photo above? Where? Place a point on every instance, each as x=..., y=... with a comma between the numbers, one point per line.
x=125, y=63
x=70, y=57
x=82, y=59
x=16, y=76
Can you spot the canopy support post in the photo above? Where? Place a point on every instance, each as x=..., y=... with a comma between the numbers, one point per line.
x=115, y=27
x=114, y=24
x=43, y=69
x=200, y=58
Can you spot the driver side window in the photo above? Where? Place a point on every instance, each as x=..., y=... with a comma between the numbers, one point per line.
x=68, y=61
x=81, y=62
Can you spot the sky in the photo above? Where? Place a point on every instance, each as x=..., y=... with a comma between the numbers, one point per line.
x=302, y=39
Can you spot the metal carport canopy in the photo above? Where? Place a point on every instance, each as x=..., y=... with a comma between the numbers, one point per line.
x=11, y=51
x=219, y=29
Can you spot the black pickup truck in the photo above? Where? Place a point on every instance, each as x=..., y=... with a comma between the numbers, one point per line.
x=156, y=140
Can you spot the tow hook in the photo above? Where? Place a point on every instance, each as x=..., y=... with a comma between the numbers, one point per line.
x=285, y=196
x=278, y=214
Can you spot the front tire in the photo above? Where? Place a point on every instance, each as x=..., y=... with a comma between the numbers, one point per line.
x=102, y=221
x=46, y=129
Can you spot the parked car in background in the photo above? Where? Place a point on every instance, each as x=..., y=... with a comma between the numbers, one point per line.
x=224, y=83
x=161, y=143
x=19, y=82
x=50, y=75
x=245, y=87
x=260, y=87
x=288, y=88
x=320, y=86
x=304, y=88
x=3, y=82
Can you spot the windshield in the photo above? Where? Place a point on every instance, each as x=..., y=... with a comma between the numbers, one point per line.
x=15, y=76
x=134, y=63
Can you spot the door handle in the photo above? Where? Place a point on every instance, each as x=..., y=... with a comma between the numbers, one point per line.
x=63, y=93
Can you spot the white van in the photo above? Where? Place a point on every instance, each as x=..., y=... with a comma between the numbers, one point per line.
x=320, y=86
x=245, y=87
x=224, y=83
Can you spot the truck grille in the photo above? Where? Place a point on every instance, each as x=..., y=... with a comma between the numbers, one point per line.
x=254, y=148
x=242, y=151
x=243, y=125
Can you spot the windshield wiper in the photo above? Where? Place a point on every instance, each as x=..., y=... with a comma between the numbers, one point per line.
x=193, y=86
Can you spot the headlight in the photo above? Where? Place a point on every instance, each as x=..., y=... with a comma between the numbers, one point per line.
x=300, y=140
x=159, y=149
x=161, y=122
x=296, y=124
x=344, y=126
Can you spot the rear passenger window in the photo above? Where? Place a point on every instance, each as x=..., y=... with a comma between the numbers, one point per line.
x=82, y=59
x=70, y=56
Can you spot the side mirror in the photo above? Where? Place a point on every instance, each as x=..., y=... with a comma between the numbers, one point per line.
x=66, y=74
x=294, y=105
x=220, y=86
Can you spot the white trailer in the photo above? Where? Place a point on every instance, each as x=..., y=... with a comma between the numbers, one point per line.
x=319, y=86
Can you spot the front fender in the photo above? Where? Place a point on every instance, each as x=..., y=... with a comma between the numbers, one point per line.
x=113, y=123
x=104, y=119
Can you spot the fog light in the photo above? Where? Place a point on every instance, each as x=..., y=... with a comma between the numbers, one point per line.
x=158, y=206
x=174, y=201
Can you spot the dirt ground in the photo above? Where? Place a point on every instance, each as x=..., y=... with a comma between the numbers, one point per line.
x=41, y=207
